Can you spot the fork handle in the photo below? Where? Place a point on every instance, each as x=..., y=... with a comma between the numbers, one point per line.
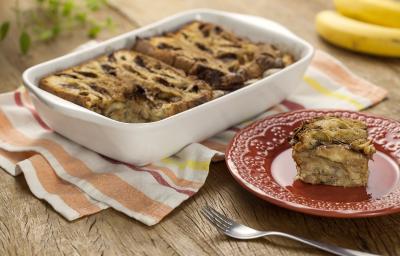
x=322, y=246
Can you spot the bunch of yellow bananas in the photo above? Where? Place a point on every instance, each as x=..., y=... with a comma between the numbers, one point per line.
x=368, y=26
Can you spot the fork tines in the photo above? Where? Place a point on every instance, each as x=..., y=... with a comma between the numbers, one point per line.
x=216, y=218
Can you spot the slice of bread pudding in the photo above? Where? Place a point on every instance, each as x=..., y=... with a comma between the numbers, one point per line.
x=128, y=86
x=213, y=54
x=333, y=151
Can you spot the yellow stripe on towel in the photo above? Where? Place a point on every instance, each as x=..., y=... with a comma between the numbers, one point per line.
x=325, y=91
x=194, y=165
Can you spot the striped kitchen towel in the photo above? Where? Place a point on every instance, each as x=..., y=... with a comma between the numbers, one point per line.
x=77, y=182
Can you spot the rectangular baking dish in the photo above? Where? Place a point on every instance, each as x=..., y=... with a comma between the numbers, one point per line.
x=142, y=143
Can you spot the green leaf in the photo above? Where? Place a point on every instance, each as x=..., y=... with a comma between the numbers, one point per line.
x=81, y=17
x=54, y=6
x=55, y=30
x=109, y=22
x=24, y=42
x=5, y=26
x=95, y=5
x=49, y=33
x=68, y=7
x=45, y=35
x=54, y=3
x=94, y=31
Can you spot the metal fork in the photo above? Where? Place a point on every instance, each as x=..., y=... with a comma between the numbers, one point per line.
x=239, y=231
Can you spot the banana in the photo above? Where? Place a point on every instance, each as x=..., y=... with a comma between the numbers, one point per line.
x=381, y=12
x=358, y=36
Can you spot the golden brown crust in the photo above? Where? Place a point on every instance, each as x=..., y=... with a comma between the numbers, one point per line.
x=213, y=54
x=128, y=86
x=332, y=130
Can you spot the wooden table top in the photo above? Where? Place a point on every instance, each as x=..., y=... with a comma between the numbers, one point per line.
x=30, y=226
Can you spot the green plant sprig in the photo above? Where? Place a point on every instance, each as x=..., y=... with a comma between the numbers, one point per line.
x=50, y=18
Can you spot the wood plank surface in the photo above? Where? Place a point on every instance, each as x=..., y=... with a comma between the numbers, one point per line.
x=29, y=226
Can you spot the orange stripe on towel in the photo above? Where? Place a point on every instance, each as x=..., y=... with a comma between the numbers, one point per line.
x=108, y=183
x=70, y=194
x=15, y=157
x=326, y=64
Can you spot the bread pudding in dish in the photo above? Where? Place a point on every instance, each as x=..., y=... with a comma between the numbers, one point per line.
x=333, y=151
x=213, y=54
x=128, y=86
x=165, y=75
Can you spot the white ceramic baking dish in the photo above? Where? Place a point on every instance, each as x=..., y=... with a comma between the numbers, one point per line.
x=142, y=143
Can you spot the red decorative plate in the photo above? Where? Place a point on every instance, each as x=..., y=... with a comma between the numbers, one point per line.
x=259, y=158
